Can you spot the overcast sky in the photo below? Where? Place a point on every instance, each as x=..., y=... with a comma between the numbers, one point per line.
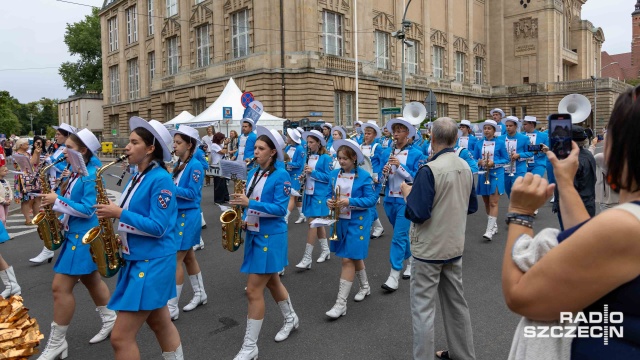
x=32, y=34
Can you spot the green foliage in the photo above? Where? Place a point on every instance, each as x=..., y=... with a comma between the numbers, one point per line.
x=633, y=82
x=83, y=39
x=15, y=118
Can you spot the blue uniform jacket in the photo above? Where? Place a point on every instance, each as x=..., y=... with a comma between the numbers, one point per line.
x=473, y=140
x=467, y=156
x=385, y=142
x=189, y=189
x=408, y=171
x=540, y=159
x=329, y=142
x=359, y=138
x=377, y=161
x=273, y=203
x=150, y=220
x=79, y=204
x=296, y=164
x=201, y=157
x=249, y=145
x=500, y=156
x=424, y=147
x=521, y=149
x=58, y=168
x=362, y=196
x=321, y=175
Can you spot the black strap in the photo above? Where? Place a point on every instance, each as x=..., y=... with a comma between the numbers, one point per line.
x=255, y=180
x=67, y=190
x=134, y=180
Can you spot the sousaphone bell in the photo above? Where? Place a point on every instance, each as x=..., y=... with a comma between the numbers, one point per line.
x=577, y=105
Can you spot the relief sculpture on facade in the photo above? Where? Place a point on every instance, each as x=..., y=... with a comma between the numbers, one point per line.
x=525, y=36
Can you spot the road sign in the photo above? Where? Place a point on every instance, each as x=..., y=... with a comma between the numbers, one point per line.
x=315, y=113
x=431, y=104
x=253, y=111
x=246, y=98
x=391, y=111
x=227, y=114
x=114, y=132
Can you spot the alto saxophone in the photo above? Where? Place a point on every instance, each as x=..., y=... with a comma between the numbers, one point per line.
x=231, y=221
x=49, y=228
x=105, y=243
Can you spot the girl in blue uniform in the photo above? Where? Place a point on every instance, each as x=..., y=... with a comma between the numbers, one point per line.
x=357, y=196
x=294, y=167
x=265, y=249
x=337, y=133
x=76, y=203
x=492, y=156
x=327, y=133
x=315, y=195
x=147, y=229
x=188, y=175
x=372, y=150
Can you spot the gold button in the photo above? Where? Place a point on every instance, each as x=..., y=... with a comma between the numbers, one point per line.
x=146, y=261
x=361, y=237
x=360, y=218
x=264, y=248
x=180, y=233
x=141, y=275
x=319, y=201
x=266, y=236
x=361, y=227
x=73, y=247
x=77, y=236
x=182, y=224
x=182, y=215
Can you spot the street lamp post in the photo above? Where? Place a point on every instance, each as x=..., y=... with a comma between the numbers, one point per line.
x=31, y=117
x=595, y=97
x=400, y=36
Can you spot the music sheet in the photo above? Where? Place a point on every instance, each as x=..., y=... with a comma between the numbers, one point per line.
x=24, y=163
x=319, y=222
x=77, y=162
x=229, y=168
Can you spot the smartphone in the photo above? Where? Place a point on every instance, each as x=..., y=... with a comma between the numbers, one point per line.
x=560, y=134
x=534, y=148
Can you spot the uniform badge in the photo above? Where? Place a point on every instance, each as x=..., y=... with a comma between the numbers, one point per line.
x=163, y=201
x=287, y=188
x=331, y=166
x=196, y=177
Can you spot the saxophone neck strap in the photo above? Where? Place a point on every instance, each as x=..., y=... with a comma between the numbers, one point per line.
x=134, y=181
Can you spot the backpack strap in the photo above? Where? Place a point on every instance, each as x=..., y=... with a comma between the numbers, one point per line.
x=633, y=209
x=459, y=150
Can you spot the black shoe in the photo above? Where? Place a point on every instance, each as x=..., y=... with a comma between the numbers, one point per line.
x=204, y=226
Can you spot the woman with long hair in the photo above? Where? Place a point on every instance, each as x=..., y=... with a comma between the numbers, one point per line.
x=357, y=196
x=265, y=247
x=147, y=228
x=314, y=203
x=220, y=189
x=232, y=142
x=76, y=202
x=295, y=165
x=27, y=183
x=188, y=175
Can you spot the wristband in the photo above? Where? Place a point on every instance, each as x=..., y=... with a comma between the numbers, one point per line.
x=520, y=219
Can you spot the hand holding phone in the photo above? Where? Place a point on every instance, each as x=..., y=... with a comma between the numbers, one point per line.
x=535, y=148
x=560, y=134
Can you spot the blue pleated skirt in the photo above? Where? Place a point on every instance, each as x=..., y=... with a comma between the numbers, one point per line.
x=145, y=284
x=264, y=253
x=75, y=257
x=353, y=236
x=496, y=181
x=189, y=228
x=4, y=235
x=315, y=206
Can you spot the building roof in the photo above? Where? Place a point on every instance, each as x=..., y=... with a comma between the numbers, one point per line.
x=623, y=70
x=81, y=96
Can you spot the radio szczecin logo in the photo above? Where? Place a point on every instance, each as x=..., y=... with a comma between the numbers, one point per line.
x=603, y=325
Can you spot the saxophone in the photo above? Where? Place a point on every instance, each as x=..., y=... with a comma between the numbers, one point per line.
x=231, y=221
x=49, y=228
x=104, y=242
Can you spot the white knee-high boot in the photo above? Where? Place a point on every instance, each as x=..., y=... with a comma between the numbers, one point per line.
x=108, y=321
x=365, y=289
x=340, y=307
x=291, y=320
x=199, y=295
x=172, y=304
x=326, y=253
x=249, y=350
x=57, y=344
x=11, y=286
x=491, y=222
x=174, y=355
x=306, y=261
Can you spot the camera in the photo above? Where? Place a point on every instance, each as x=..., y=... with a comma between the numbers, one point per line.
x=534, y=148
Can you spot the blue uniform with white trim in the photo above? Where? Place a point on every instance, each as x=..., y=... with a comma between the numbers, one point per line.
x=467, y=156
x=394, y=205
x=469, y=142
x=295, y=164
x=538, y=164
x=56, y=170
x=521, y=148
x=355, y=222
x=314, y=203
x=246, y=145
x=76, y=205
x=189, y=195
x=147, y=230
x=265, y=245
x=496, y=174
x=376, y=164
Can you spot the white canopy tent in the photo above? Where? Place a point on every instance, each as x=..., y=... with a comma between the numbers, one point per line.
x=213, y=115
x=181, y=118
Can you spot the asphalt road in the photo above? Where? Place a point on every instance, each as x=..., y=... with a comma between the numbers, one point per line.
x=377, y=328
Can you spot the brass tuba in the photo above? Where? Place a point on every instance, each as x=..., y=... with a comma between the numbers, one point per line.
x=231, y=221
x=104, y=242
x=49, y=228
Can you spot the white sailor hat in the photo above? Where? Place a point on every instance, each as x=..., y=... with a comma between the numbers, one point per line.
x=275, y=137
x=491, y=123
x=358, y=122
x=403, y=122
x=352, y=144
x=326, y=125
x=465, y=123
x=66, y=127
x=341, y=130
x=530, y=119
x=373, y=126
x=294, y=135
x=188, y=131
x=512, y=118
x=89, y=140
x=316, y=134
x=159, y=132
x=496, y=110
x=249, y=121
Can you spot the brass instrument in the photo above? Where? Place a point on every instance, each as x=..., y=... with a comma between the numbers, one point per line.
x=49, y=228
x=105, y=243
x=512, y=165
x=232, y=220
x=385, y=179
x=352, y=134
x=335, y=214
x=485, y=157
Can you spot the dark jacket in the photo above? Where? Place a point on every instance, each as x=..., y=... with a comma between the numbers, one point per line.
x=584, y=182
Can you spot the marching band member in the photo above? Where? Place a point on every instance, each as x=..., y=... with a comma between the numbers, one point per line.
x=371, y=149
x=468, y=139
x=246, y=142
x=337, y=133
x=199, y=155
x=497, y=115
x=357, y=196
x=294, y=168
x=55, y=172
x=7, y=274
x=326, y=132
x=76, y=203
x=303, y=142
x=188, y=175
x=402, y=165
x=27, y=183
x=359, y=136
x=538, y=163
x=386, y=138
x=491, y=155
x=315, y=195
x=517, y=150
x=265, y=248
x=147, y=214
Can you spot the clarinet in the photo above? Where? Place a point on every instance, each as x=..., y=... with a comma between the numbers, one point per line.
x=385, y=179
x=303, y=177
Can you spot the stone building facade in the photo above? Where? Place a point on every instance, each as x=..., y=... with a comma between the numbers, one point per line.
x=161, y=57
x=83, y=111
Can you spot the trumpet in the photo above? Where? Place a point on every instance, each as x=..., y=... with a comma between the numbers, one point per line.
x=512, y=165
x=335, y=213
x=485, y=157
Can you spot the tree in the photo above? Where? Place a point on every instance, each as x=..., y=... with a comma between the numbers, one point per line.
x=83, y=39
x=9, y=123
